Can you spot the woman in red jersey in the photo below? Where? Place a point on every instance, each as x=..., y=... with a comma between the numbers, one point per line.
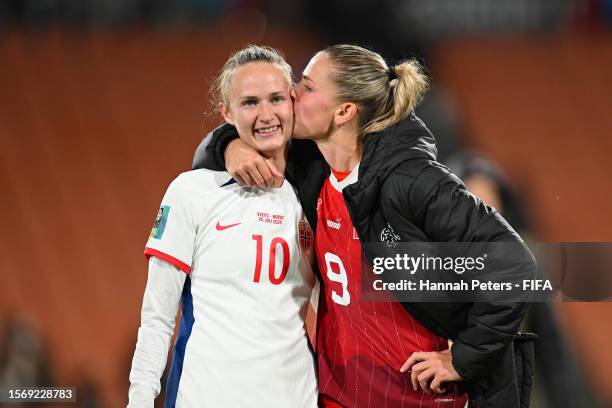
x=378, y=182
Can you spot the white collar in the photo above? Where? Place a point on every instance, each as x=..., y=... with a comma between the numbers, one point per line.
x=348, y=180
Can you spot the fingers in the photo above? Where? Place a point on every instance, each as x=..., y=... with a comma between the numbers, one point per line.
x=436, y=383
x=263, y=169
x=257, y=172
x=277, y=176
x=406, y=366
x=429, y=370
x=241, y=175
x=243, y=178
x=423, y=380
x=239, y=180
x=273, y=168
x=417, y=370
x=414, y=358
x=249, y=168
x=257, y=177
x=249, y=172
x=245, y=163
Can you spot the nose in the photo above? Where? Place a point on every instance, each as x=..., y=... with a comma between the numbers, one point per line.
x=266, y=113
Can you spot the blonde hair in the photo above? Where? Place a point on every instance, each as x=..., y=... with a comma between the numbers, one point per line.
x=383, y=95
x=219, y=89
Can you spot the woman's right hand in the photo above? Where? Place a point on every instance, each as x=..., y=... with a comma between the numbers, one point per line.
x=249, y=168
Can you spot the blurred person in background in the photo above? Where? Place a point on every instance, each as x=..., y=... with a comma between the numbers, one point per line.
x=486, y=181
x=236, y=258
x=23, y=359
x=377, y=171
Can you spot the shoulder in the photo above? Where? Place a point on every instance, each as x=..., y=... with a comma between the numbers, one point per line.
x=289, y=189
x=190, y=186
x=420, y=172
x=418, y=180
x=200, y=179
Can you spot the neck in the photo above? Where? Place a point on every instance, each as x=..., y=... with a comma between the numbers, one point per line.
x=341, y=150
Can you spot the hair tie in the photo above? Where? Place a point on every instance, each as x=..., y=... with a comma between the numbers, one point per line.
x=391, y=74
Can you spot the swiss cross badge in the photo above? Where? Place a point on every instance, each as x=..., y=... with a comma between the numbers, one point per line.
x=305, y=235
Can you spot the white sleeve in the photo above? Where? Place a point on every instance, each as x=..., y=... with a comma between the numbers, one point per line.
x=159, y=307
x=174, y=231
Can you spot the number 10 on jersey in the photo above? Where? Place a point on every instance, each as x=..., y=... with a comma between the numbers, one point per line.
x=276, y=241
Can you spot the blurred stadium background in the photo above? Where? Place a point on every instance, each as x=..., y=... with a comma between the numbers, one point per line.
x=103, y=102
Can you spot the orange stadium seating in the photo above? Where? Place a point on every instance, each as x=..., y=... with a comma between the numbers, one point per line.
x=93, y=128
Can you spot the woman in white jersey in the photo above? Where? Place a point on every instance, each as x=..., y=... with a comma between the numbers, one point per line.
x=235, y=259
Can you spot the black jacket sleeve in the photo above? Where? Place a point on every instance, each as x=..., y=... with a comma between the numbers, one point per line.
x=448, y=212
x=210, y=152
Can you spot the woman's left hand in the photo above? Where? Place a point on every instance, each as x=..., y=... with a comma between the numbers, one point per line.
x=434, y=366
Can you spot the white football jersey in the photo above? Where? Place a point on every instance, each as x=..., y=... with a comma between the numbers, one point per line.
x=242, y=340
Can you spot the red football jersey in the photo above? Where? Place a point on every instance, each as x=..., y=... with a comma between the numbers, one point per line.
x=362, y=345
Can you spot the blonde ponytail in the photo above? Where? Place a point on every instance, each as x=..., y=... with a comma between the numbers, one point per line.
x=407, y=91
x=384, y=96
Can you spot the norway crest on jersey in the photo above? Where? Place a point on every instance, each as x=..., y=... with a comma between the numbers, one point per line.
x=305, y=234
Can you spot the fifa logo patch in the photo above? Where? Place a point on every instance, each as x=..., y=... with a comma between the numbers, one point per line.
x=160, y=222
x=389, y=236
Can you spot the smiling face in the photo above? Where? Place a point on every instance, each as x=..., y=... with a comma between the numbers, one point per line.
x=259, y=106
x=315, y=100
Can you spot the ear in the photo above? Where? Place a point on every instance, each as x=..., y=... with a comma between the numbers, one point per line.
x=345, y=112
x=225, y=112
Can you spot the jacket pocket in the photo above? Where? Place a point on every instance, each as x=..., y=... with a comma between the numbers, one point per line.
x=524, y=365
x=509, y=385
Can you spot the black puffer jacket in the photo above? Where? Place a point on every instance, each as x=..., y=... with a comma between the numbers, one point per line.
x=401, y=185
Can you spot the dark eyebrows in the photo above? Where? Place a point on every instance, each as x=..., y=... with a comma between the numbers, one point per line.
x=304, y=76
